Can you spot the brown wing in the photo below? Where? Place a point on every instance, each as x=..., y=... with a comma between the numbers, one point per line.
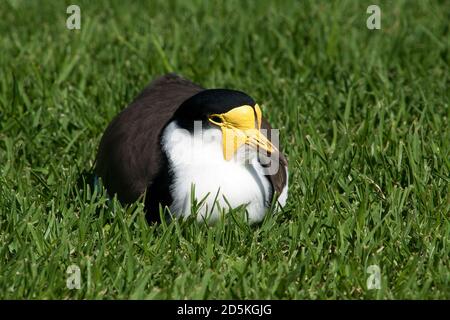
x=129, y=155
x=278, y=180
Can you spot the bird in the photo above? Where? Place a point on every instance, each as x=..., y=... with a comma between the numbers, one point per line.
x=177, y=141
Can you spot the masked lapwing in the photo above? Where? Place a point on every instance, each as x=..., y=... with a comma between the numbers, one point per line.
x=178, y=141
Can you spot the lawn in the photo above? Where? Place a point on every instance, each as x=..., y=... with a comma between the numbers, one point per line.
x=363, y=118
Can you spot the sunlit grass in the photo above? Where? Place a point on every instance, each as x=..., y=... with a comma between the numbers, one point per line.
x=363, y=117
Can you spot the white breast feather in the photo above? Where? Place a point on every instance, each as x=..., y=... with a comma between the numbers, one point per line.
x=199, y=162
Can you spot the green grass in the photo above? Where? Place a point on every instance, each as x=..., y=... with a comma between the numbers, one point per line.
x=364, y=120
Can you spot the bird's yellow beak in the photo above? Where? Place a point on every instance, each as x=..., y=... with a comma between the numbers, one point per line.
x=240, y=126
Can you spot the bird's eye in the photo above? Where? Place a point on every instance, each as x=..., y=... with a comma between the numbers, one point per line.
x=215, y=119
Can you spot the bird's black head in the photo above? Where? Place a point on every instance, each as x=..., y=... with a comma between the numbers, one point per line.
x=208, y=102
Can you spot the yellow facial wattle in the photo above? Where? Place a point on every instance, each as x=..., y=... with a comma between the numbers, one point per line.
x=240, y=126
